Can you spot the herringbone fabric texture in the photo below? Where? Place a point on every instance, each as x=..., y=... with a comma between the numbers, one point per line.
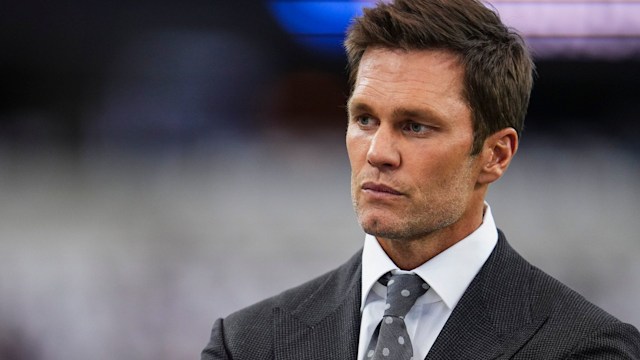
x=390, y=340
x=511, y=310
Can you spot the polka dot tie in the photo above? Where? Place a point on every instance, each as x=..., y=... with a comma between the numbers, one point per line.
x=390, y=340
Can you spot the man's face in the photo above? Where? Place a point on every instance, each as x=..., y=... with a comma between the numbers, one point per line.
x=409, y=141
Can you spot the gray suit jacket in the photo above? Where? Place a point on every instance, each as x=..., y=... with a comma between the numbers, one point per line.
x=511, y=310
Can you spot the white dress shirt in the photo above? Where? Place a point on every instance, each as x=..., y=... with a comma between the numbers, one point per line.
x=448, y=274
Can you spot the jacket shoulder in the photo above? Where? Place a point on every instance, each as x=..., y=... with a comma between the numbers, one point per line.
x=323, y=290
x=572, y=325
x=576, y=326
x=247, y=333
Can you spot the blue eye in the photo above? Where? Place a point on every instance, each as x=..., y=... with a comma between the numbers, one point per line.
x=416, y=128
x=364, y=121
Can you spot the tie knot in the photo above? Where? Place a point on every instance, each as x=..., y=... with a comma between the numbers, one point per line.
x=402, y=292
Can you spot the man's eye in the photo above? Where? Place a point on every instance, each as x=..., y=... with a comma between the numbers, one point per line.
x=364, y=121
x=416, y=128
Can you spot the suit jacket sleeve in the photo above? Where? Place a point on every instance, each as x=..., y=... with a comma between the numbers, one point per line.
x=216, y=349
x=614, y=341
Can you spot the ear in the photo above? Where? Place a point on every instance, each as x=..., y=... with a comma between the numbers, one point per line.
x=497, y=152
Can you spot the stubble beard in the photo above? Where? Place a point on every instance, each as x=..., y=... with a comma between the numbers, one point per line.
x=416, y=223
x=412, y=226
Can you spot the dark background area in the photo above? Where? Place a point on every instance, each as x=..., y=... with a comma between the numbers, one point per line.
x=59, y=61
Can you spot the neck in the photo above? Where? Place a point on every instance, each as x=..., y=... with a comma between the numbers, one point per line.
x=409, y=254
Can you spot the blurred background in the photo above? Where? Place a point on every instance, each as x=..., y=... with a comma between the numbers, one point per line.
x=165, y=163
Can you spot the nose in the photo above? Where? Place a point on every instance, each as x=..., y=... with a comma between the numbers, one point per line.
x=383, y=152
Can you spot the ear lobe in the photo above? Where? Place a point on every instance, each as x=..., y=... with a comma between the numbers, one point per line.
x=498, y=150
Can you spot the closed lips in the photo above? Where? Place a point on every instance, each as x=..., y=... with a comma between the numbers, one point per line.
x=380, y=188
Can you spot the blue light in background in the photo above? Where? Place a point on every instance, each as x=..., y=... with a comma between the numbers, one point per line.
x=562, y=29
x=318, y=25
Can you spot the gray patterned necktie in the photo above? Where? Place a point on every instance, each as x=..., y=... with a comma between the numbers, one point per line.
x=390, y=340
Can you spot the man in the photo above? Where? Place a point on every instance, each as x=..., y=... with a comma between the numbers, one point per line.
x=439, y=93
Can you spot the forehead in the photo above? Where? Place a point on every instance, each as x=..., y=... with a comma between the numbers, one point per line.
x=413, y=78
x=432, y=66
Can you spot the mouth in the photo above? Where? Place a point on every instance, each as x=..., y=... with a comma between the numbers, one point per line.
x=380, y=189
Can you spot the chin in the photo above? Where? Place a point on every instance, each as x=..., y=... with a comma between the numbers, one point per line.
x=397, y=228
x=380, y=227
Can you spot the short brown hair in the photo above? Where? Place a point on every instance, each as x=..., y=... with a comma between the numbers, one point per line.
x=498, y=67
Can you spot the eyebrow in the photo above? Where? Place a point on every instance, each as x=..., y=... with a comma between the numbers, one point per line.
x=415, y=113
x=358, y=107
x=399, y=112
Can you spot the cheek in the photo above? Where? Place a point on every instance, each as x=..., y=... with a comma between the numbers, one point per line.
x=430, y=163
x=356, y=149
x=438, y=171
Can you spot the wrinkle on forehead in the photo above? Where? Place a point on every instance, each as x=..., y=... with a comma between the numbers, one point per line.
x=443, y=59
x=388, y=76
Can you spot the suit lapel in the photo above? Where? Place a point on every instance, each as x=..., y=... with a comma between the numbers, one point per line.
x=491, y=321
x=493, y=318
x=327, y=324
x=469, y=332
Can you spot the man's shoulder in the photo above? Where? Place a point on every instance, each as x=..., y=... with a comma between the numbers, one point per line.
x=572, y=321
x=252, y=332
x=565, y=317
x=547, y=295
x=320, y=292
x=559, y=302
x=556, y=300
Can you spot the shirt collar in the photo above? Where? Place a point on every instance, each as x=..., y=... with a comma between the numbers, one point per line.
x=448, y=273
